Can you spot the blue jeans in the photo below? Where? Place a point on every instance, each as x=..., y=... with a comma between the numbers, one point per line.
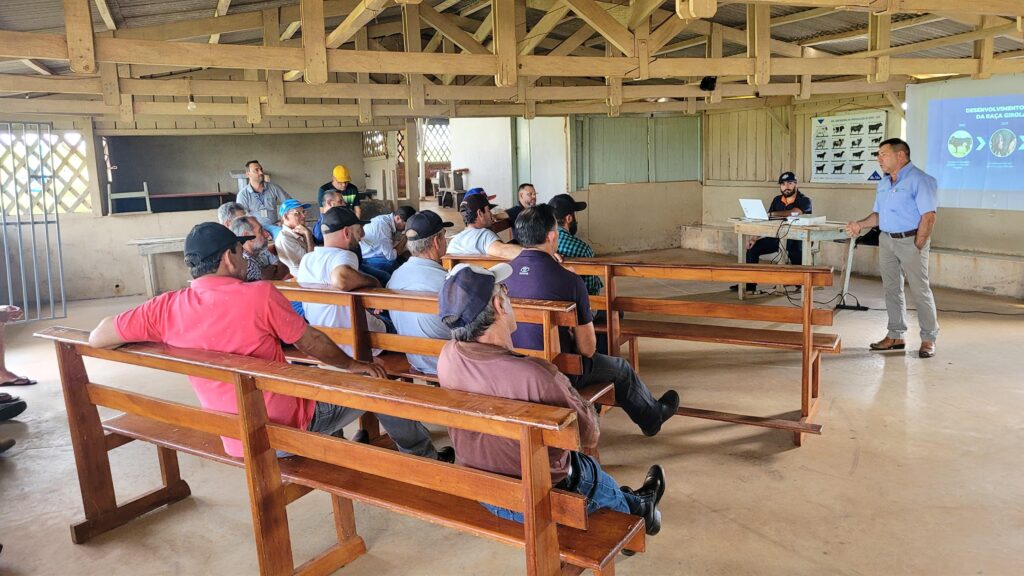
x=382, y=276
x=588, y=479
x=381, y=263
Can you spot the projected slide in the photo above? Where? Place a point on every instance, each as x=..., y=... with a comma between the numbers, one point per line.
x=977, y=144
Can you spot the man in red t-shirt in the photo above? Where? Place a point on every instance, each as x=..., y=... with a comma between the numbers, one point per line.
x=222, y=313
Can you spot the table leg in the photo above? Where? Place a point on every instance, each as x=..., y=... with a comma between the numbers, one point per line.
x=849, y=268
x=149, y=271
x=741, y=258
x=807, y=257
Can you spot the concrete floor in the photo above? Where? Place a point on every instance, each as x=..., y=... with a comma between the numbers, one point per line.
x=917, y=471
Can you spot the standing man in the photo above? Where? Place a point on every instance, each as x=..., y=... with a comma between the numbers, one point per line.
x=423, y=272
x=221, y=313
x=527, y=199
x=905, y=206
x=791, y=202
x=538, y=276
x=346, y=191
x=381, y=244
x=480, y=359
x=261, y=198
x=477, y=237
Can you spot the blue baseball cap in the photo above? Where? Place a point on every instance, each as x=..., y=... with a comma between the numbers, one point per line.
x=467, y=290
x=291, y=204
x=478, y=191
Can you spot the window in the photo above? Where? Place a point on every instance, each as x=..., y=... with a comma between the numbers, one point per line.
x=374, y=144
x=437, y=142
x=42, y=170
x=635, y=149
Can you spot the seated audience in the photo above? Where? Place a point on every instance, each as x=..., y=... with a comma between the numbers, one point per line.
x=262, y=265
x=294, y=240
x=261, y=198
x=537, y=275
x=477, y=238
x=228, y=211
x=423, y=272
x=382, y=244
x=222, y=313
x=326, y=199
x=527, y=196
x=344, y=189
x=570, y=245
x=480, y=359
x=791, y=202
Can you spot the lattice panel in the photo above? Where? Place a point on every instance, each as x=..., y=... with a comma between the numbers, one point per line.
x=400, y=146
x=437, y=143
x=35, y=163
x=375, y=144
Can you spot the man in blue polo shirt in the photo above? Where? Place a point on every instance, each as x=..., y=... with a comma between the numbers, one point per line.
x=790, y=202
x=537, y=275
x=905, y=206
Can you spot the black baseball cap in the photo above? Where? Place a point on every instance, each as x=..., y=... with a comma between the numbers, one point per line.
x=476, y=202
x=209, y=239
x=787, y=177
x=338, y=218
x=467, y=290
x=425, y=224
x=565, y=205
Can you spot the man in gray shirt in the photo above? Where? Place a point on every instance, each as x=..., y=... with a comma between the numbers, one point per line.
x=261, y=198
x=427, y=244
x=477, y=238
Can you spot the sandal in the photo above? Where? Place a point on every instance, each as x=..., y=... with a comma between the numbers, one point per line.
x=11, y=406
x=21, y=381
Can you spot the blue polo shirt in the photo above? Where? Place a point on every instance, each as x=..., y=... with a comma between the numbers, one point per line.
x=538, y=276
x=900, y=206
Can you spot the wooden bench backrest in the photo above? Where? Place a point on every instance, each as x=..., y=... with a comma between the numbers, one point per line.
x=535, y=426
x=547, y=313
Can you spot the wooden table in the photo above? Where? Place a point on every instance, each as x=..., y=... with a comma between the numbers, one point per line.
x=150, y=247
x=834, y=231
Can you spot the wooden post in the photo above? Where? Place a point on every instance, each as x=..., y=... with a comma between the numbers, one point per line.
x=879, y=31
x=807, y=352
x=505, y=43
x=612, y=316
x=542, y=557
x=314, y=42
x=263, y=476
x=81, y=44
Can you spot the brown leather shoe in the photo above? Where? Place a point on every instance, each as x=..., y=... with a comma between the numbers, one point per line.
x=889, y=344
x=927, y=350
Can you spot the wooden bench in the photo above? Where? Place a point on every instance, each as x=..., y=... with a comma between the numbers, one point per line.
x=556, y=528
x=394, y=360
x=629, y=330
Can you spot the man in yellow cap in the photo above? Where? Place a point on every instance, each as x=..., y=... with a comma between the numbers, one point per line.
x=341, y=184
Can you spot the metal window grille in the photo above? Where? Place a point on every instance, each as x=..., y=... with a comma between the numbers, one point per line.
x=42, y=174
x=374, y=144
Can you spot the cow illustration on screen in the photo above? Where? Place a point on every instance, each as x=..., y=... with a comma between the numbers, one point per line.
x=874, y=128
x=856, y=168
x=819, y=169
x=838, y=168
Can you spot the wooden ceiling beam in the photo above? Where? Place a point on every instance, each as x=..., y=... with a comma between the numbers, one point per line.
x=356, y=19
x=79, y=36
x=863, y=32
x=314, y=41
x=37, y=66
x=606, y=26
x=446, y=26
x=935, y=42
x=544, y=26
x=221, y=10
x=984, y=7
x=106, y=15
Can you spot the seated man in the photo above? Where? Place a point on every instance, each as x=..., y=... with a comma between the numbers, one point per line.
x=423, y=271
x=477, y=237
x=228, y=211
x=475, y=305
x=499, y=219
x=569, y=245
x=538, y=276
x=326, y=199
x=527, y=196
x=221, y=313
x=294, y=240
x=262, y=265
x=380, y=246
x=262, y=197
x=791, y=202
x=345, y=190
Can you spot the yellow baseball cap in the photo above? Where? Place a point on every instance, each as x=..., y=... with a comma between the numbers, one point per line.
x=341, y=174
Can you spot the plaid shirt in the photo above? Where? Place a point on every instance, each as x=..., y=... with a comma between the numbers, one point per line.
x=570, y=247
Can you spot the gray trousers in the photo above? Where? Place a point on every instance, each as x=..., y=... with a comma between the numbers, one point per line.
x=410, y=436
x=899, y=258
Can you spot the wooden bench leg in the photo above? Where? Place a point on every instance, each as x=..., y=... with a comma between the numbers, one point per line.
x=634, y=353
x=369, y=423
x=349, y=547
x=815, y=374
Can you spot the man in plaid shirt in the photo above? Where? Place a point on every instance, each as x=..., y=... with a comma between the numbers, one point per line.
x=569, y=246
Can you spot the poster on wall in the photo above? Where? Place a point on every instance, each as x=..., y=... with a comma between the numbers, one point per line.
x=842, y=147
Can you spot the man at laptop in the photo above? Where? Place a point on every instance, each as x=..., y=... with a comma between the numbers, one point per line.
x=791, y=202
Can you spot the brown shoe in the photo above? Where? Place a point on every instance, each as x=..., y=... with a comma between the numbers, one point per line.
x=889, y=344
x=927, y=350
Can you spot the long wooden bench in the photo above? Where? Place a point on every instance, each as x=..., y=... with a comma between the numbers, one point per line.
x=629, y=330
x=556, y=530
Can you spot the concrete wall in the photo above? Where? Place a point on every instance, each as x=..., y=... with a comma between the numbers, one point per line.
x=629, y=217
x=99, y=263
x=299, y=163
x=484, y=145
x=549, y=156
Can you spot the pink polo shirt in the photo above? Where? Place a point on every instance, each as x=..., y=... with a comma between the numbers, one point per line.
x=224, y=314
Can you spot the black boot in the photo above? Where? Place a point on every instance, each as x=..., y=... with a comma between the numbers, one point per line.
x=650, y=496
x=667, y=405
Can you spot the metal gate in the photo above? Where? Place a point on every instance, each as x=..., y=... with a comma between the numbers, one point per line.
x=32, y=275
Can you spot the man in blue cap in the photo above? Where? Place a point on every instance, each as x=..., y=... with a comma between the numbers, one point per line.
x=791, y=202
x=295, y=239
x=474, y=303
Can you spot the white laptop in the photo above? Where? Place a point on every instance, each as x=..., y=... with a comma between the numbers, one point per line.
x=753, y=209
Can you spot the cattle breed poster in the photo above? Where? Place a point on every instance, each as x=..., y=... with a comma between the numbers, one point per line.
x=842, y=146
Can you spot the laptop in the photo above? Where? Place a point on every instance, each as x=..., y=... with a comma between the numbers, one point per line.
x=753, y=209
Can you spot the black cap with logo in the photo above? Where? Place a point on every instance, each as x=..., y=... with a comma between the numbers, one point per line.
x=338, y=218
x=787, y=177
x=209, y=239
x=425, y=224
x=565, y=205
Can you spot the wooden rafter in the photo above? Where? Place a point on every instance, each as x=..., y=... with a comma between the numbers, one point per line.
x=990, y=7
x=37, y=67
x=221, y=10
x=863, y=32
x=543, y=27
x=356, y=19
x=80, y=42
x=505, y=44
x=606, y=26
x=313, y=41
x=444, y=24
x=106, y=15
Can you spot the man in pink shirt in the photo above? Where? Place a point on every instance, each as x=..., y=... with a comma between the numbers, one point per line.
x=222, y=313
